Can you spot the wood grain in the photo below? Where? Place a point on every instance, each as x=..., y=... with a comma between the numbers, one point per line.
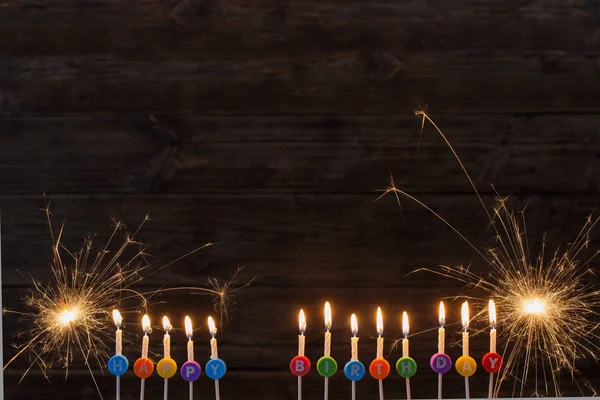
x=286, y=241
x=298, y=154
x=336, y=82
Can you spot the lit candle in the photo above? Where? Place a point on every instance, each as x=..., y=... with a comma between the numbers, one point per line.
x=492, y=311
x=491, y=361
x=465, y=324
x=145, y=339
x=354, y=338
x=326, y=366
x=215, y=368
x=354, y=369
x=405, y=332
x=144, y=367
x=466, y=365
x=118, y=364
x=442, y=330
x=300, y=365
x=167, y=366
x=190, y=370
x=379, y=368
x=440, y=365
x=379, y=333
x=302, y=329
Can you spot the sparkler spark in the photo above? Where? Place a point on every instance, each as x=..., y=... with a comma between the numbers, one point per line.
x=548, y=304
x=69, y=317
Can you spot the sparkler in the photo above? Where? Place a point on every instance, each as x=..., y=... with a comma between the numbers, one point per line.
x=69, y=316
x=549, y=307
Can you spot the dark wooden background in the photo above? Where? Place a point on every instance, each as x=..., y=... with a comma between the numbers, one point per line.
x=267, y=126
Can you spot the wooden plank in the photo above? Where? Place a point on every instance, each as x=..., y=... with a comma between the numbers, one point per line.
x=304, y=241
x=298, y=154
x=347, y=81
x=192, y=29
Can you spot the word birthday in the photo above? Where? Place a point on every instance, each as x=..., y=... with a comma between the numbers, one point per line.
x=405, y=366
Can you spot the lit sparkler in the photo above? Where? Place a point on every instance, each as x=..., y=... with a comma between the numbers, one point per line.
x=69, y=316
x=549, y=307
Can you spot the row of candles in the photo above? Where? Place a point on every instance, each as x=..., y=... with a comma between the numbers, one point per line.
x=405, y=366
x=166, y=367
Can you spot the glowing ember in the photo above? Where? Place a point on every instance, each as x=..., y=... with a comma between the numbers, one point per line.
x=534, y=306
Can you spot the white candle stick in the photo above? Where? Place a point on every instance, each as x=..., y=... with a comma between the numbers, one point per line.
x=167, y=350
x=214, y=353
x=492, y=314
x=327, y=346
x=465, y=340
x=301, y=342
x=118, y=347
x=405, y=332
x=189, y=332
x=145, y=343
x=380, y=346
x=441, y=343
x=354, y=348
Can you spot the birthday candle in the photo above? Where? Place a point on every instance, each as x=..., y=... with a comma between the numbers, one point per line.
x=215, y=368
x=440, y=362
x=354, y=369
x=167, y=366
x=145, y=339
x=379, y=368
x=300, y=364
x=190, y=370
x=354, y=338
x=326, y=365
x=492, y=362
x=379, y=333
x=405, y=331
x=442, y=330
x=144, y=367
x=118, y=364
x=465, y=365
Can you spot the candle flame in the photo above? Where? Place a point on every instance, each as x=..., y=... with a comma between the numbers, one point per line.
x=167, y=324
x=492, y=311
x=189, y=332
x=146, y=324
x=405, y=326
x=442, y=316
x=465, y=315
x=354, y=324
x=212, y=328
x=327, y=316
x=117, y=318
x=301, y=322
x=379, y=321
